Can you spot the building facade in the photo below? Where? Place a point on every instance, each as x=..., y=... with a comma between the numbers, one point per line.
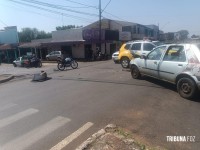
x=9, y=35
x=83, y=43
x=9, y=41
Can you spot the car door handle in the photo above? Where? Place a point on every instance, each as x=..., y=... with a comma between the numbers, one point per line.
x=155, y=62
x=180, y=64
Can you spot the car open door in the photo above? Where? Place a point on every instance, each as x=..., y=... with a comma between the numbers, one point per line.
x=151, y=63
x=173, y=63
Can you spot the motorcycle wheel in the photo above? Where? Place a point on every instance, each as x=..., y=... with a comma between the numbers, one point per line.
x=74, y=64
x=61, y=66
x=39, y=64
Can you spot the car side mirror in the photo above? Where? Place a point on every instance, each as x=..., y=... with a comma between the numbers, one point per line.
x=143, y=57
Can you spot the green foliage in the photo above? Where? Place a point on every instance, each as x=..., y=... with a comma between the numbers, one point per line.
x=183, y=34
x=67, y=27
x=28, y=34
x=194, y=36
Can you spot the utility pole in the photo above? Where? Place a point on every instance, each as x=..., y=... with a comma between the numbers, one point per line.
x=100, y=24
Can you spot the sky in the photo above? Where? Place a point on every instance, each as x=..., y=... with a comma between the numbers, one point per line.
x=170, y=15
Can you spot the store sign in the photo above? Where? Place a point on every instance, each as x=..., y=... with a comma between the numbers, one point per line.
x=106, y=35
x=125, y=36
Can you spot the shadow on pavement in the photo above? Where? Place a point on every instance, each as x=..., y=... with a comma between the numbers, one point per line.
x=168, y=86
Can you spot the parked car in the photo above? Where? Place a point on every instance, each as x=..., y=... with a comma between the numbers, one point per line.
x=115, y=56
x=54, y=55
x=133, y=49
x=27, y=61
x=175, y=63
x=19, y=62
x=157, y=43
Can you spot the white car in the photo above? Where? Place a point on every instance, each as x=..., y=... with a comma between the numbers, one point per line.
x=115, y=56
x=178, y=64
x=17, y=62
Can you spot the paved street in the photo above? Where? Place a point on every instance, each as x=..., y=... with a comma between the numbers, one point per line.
x=76, y=103
x=10, y=69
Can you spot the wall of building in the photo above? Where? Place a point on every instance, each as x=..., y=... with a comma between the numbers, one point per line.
x=78, y=51
x=67, y=35
x=9, y=35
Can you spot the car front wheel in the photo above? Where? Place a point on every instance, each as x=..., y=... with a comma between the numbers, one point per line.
x=186, y=88
x=125, y=62
x=135, y=72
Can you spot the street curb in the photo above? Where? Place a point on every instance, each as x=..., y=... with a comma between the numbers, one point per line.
x=95, y=136
x=7, y=79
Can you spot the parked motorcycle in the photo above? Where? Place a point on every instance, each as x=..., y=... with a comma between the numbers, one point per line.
x=67, y=62
x=100, y=56
x=32, y=62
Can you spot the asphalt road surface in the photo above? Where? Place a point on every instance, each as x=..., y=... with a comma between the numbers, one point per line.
x=74, y=104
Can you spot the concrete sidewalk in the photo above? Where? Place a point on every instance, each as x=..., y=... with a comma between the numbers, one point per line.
x=113, y=137
x=5, y=77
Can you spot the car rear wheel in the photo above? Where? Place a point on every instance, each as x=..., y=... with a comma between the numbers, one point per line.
x=14, y=65
x=186, y=88
x=135, y=72
x=125, y=62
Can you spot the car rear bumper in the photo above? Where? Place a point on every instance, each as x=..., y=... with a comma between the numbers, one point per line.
x=115, y=59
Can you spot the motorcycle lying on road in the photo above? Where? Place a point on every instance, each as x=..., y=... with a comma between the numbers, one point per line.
x=67, y=62
x=32, y=62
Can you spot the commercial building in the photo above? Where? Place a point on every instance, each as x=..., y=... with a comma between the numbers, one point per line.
x=9, y=41
x=81, y=43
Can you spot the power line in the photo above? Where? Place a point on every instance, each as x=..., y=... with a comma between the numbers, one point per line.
x=3, y=23
x=34, y=12
x=48, y=10
x=82, y=4
x=106, y=6
x=57, y=7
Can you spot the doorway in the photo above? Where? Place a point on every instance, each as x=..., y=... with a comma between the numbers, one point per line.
x=67, y=50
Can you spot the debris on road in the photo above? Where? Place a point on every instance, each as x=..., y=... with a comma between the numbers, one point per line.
x=112, y=138
x=40, y=77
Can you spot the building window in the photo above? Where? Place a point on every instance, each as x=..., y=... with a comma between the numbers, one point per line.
x=126, y=29
x=146, y=32
x=138, y=30
x=134, y=30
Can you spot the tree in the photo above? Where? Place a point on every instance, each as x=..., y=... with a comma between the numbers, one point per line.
x=67, y=27
x=183, y=34
x=194, y=36
x=28, y=34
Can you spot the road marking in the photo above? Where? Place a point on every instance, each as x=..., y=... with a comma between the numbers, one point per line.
x=36, y=134
x=7, y=106
x=9, y=120
x=71, y=137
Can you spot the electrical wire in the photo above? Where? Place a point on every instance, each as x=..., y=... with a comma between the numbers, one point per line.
x=29, y=11
x=82, y=4
x=48, y=10
x=3, y=23
x=57, y=7
x=106, y=6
